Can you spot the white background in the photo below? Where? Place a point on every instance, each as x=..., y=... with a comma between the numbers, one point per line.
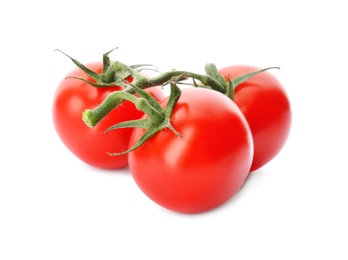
x=53, y=206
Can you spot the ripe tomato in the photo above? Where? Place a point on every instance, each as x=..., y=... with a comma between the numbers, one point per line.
x=91, y=145
x=265, y=104
x=197, y=171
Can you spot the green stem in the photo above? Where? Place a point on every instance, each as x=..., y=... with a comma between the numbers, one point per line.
x=91, y=117
x=213, y=79
x=205, y=79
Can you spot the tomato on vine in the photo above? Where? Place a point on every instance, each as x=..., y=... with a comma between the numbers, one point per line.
x=266, y=106
x=192, y=155
x=192, y=151
x=74, y=94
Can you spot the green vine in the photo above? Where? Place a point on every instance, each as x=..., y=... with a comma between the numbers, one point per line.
x=117, y=73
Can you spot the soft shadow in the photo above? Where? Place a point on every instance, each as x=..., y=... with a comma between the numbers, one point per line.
x=252, y=177
x=123, y=171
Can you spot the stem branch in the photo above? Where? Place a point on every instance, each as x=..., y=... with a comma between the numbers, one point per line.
x=91, y=117
x=205, y=79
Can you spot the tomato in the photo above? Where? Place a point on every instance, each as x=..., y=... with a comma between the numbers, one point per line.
x=265, y=104
x=91, y=145
x=204, y=167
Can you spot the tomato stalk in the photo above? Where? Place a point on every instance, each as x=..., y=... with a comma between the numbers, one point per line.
x=212, y=80
x=117, y=73
x=92, y=117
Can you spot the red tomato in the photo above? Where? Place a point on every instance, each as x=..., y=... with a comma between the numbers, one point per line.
x=197, y=171
x=91, y=145
x=266, y=106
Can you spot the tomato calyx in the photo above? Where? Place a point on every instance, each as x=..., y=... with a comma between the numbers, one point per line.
x=113, y=73
x=158, y=117
x=232, y=84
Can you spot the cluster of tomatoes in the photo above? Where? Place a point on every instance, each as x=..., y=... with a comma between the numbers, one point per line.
x=217, y=143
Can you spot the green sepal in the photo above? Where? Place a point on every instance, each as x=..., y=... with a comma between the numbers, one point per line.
x=139, y=123
x=146, y=136
x=230, y=89
x=97, y=77
x=107, y=61
x=175, y=93
x=97, y=85
x=234, y=82
x=240, y=79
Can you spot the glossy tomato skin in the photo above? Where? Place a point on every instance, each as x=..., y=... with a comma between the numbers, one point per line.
x=197, y=171
x=91, y=145
x=266, y=106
